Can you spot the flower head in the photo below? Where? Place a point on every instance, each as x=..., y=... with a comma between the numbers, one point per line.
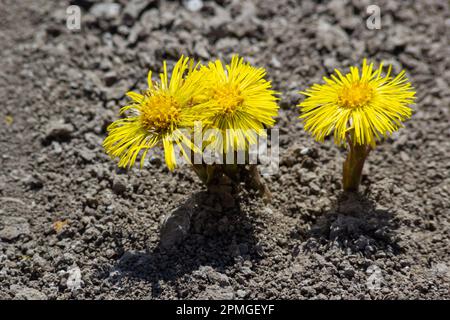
x=157, y=117
x=241, y=102
x=366, y=105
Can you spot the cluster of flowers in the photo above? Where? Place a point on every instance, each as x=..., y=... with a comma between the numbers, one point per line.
x=359, y=109
x=235, y=100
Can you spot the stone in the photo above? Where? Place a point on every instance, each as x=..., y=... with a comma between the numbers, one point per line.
x=201, y=50
x=86, y=155
x=57, y=149
x=133, y=10
x=119, y=185
x=93, y=140
x=315, y=189
x=193, y=5
x=105, y=10
x=241, y=294
x=405, y=157
x=246, y=271
x=331, y=36
x=91, y=234
x=214, y=276
x=59, y=131
x=176, y=225
x=275, y=62
x=39, y=261
x=29, y=294
x=349, y=272
x=34, y=181
x=307, y=176
x=14, y=227
x=110, y=78
x=305, y=151
x=214, y=292
x=74, y=278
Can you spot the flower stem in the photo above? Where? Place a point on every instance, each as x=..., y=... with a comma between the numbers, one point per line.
x=353, y=166
x=226, y=178
x=215, y=178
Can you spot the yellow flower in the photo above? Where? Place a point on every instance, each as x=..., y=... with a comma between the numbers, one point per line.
x=365, y=105
x=241, y=102
x=157, y=116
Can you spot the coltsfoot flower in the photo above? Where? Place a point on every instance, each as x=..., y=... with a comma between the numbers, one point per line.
x=241, y=102
x=241, y=105
x=360, y=109
x=157, y=117
x=365, y=102
x=234, y=101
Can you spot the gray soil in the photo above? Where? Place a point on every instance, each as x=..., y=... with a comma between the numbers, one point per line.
x=73, y=226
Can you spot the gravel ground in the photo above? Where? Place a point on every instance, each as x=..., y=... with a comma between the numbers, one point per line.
x=73, y=226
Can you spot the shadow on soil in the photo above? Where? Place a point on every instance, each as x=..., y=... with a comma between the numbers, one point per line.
x=217, y=237
x=356, y=225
